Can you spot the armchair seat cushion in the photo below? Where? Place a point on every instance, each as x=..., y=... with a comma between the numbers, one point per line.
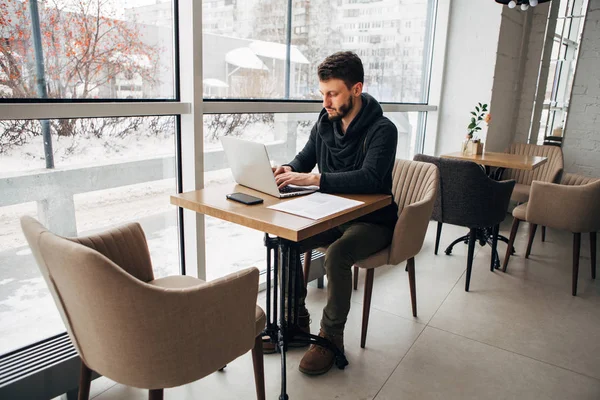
x=521, y=193
x=375, y=260
x=520, y=212
x=177, y=282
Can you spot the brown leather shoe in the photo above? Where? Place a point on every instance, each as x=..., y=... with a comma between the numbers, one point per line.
x=304, y=325
x=318, y=360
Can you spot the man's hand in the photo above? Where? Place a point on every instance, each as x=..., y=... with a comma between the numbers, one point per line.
x=296, y=178
x=281, y=169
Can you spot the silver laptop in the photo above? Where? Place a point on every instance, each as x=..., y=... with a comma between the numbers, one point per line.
x=250, y=165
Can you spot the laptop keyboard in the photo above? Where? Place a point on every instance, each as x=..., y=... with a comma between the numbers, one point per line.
x=288, y=189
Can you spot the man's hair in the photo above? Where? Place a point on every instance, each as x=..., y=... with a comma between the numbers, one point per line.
x=344, y=65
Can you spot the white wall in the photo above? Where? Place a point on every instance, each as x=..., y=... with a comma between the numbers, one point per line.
x=520, y=46
x=506, y=89
x=582, y=131
x=535, y=45
x=472, y=41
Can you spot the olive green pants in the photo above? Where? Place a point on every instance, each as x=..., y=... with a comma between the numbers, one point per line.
x=348, y=243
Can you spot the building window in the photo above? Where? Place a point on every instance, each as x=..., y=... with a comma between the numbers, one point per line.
x=567, y=37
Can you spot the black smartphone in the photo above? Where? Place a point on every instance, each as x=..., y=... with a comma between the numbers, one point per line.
x=244, y=198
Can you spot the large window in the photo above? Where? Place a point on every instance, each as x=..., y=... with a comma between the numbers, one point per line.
x=94, y=170
x=248, y=46
x=569, y=26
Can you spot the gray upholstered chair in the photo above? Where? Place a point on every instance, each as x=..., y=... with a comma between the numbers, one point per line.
x=547, y=206
x=468, y=197
x=140, y=331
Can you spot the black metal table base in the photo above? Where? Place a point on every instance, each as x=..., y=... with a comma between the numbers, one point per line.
x=484, y=236
x=283, y=258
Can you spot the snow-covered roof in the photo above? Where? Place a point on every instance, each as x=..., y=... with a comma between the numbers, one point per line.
x=212, y=82
x=244, y=57
x=277, y=51
x=140, y=60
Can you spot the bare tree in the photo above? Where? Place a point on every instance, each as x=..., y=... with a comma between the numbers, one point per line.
x=86, y=52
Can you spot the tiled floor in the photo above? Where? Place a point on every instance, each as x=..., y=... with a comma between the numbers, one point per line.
x=519, y=335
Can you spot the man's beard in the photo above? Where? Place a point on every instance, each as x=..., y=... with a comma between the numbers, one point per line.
x=342, y=111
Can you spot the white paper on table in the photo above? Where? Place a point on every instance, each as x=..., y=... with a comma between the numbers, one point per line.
x=316, y=205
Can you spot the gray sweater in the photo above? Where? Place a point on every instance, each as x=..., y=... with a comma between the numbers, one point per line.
x=359, y=161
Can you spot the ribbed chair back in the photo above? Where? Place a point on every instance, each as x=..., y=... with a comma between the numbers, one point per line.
x=548, y=172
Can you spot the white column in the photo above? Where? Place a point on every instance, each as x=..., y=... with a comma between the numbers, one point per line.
x=192, y=138
x=438, y=61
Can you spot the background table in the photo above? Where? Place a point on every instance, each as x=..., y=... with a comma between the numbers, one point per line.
x=500, y=161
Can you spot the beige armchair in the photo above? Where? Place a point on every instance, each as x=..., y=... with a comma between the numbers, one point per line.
x=550, y=171
x=140, y=331
x=547, y=206
x=414, y=189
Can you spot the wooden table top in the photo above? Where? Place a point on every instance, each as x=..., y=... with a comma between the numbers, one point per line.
x=211, y=201
x=501, y=160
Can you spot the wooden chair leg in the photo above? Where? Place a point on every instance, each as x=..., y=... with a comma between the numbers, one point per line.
x=576, y=248
x=366, y=306
x=437, y=237
x=411, y=281
x=259, y=368
x=511, y=242
x=355, y=278
x=532, y=228
x=156, y=394
x=543, y=233
x=495, y=231
x=472, y=240
x=85, y=380
x=307, y=261
x=593, y=253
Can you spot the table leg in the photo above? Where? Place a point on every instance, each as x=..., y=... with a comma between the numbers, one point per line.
x=269, y=268
x=283, y=290
x=271, y=330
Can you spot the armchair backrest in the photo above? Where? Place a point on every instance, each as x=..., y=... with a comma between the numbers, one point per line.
x=140, y=334
x=414, y=188
x=571, y=207
x=468, y=197
x=413, y=181
x=126, y=246
x=547, y=172
x=576, y=180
